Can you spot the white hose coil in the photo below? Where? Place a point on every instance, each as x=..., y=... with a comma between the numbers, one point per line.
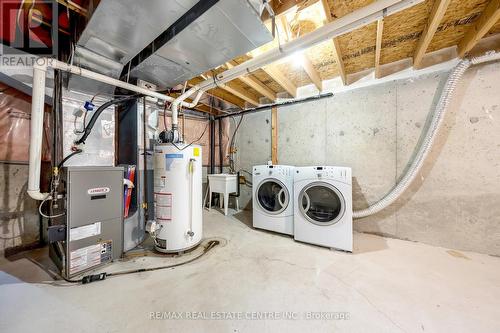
x=429, y=136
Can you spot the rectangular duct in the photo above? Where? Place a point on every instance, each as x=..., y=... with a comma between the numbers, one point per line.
x=120, y=29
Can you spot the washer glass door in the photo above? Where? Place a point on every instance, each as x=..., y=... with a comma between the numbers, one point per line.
x=272, y=196
x=321, y=203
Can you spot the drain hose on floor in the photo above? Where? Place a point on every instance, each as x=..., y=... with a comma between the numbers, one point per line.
x=423, y=149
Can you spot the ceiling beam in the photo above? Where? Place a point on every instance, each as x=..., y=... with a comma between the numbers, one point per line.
x=260, y=87
x=281, y=7
x=312, y=72
x=220, y=94
x=378, y=47
x=274, y=73
x=237, y=91
x=306, y=63
x=202, y=107
x=336, y=46
x=435, y=17
x=490, y=15
x=281, y=79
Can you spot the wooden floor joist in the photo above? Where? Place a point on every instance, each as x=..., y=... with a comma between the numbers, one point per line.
x=484, y=23
x=336, y=46
x=281, y=79
x=435, y=17
x=281, y=7
x=220, y=94
x=238, y=92
x=306, y=63
x=260, y=87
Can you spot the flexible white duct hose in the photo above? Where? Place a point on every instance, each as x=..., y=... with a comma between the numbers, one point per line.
x=430, y=135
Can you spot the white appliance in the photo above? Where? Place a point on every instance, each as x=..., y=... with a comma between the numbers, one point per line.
x=272, y=198
x=178, y=197
x=323, y=206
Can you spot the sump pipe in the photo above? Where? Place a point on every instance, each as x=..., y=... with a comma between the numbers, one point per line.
x=423, y=149
x=37, y=106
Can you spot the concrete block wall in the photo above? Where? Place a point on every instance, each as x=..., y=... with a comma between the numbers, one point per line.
x=454, y=203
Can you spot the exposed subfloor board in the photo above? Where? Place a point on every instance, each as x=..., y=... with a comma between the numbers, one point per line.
x=386, y=285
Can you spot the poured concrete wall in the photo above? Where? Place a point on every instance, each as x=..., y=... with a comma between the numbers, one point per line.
x=19, y=221
x=253, y=141
x=455, y=201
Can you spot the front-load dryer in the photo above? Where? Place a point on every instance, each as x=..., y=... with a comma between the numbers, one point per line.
x=323, y=206
x=273, y=198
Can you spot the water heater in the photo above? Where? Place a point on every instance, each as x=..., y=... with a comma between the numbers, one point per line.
x=177, y=196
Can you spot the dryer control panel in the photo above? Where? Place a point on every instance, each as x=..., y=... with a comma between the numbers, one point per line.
x=342, y=174
x=274, y=170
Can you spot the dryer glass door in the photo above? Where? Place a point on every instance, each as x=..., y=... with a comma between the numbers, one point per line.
x=321, y=203
x=272, y=196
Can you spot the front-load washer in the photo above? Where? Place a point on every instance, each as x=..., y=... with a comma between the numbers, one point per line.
x=273, y=198
x=323, y=206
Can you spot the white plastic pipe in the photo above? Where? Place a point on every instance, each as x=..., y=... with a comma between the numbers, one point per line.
x=37, y=106
x=345, y=24
x=422, y=150
x=36, y=133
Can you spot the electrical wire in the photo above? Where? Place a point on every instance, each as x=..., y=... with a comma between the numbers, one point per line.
x=101, y=276
x=232, y=145
x=192, y=142
x=202, y=134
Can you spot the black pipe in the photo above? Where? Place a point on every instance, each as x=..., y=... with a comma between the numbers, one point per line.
x=98, y=112
x=221, y=160
x=212, y=145
x=77, y=151
x=145, y=159
x=269, y=106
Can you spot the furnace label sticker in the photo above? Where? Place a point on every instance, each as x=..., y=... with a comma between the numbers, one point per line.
x=90, y=256
x=84, y=258
x=196, y=152
x=90, y=230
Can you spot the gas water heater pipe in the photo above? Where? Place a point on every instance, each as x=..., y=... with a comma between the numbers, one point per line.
x=175, y=110
x=356, y=19
x=37, y=106
x=423, y=149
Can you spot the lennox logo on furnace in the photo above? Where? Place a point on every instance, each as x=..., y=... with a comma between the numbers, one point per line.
x=98, y=190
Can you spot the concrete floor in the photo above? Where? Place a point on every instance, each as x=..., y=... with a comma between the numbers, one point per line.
x=386, y=285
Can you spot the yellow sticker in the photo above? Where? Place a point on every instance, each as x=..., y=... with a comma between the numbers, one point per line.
x=196, y=151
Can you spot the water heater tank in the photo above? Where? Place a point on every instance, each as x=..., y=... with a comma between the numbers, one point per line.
x=178, y=196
